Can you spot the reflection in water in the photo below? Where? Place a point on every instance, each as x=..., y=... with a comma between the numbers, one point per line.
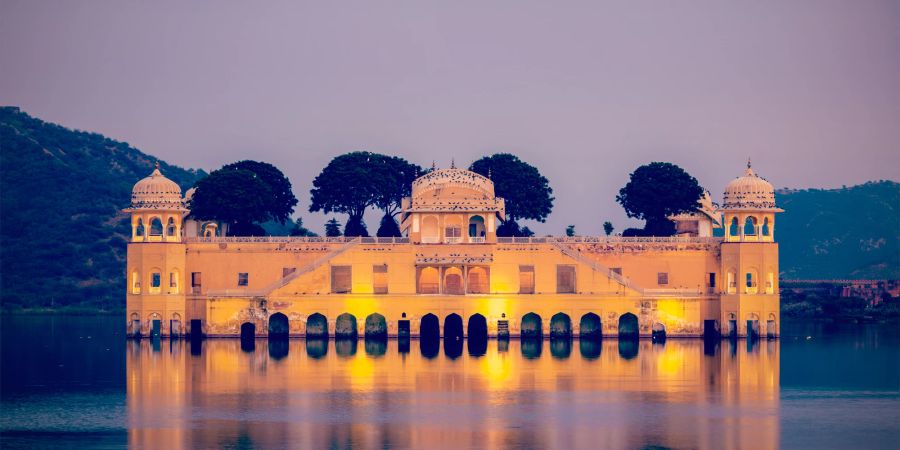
x=612, y=393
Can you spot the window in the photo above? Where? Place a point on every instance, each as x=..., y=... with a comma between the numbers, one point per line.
x=565, y=279
x=196, y=282
x=733, y=230
x=477, y=281
x=380, y=279
x=750, y=226
x=341, y=277
x=770, y=283
x=526, y=279
x=751, y=283
x=452, y=232
x=662, y=278
x=732, y=283
x=156, y=228
x=170, y=228
x=135, y=282
x=139, y=231
x=285, y=271
x=765, y=227
x=243, y=279
x=712, y=279
x=173, y=282
x=155, y=282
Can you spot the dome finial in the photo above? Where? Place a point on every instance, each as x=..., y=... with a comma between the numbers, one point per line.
x=452, y=163
x=433, y=166
x=157, y=165
x=748, y=162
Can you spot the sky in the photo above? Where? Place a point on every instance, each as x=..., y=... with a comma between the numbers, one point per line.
x=584, y=91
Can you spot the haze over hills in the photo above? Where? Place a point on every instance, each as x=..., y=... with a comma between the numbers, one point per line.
x=63, y=237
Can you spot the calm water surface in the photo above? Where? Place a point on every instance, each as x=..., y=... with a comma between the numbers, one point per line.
x=76, y=382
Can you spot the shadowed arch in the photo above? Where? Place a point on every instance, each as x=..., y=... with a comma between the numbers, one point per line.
x=477, y=335
x=453, y=327
x=376, y=326
x=248, y=330
x=345, y=326
x=560, y=326
x=658, y=333
x=316, y=326
x=430, y=327
x=278, y=326
x=628, y=326
x=531, y=326
x=590, y=327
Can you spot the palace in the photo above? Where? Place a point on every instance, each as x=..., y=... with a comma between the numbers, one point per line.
x=451, y=275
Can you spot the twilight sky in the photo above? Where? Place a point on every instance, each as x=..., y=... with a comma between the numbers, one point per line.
x=585, y=91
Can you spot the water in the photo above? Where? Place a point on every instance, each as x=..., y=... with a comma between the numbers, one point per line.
x=75, y=382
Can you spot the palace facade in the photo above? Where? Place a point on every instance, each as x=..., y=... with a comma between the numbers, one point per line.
x=450, y=275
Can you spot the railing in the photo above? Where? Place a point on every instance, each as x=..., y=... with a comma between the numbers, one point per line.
x=430, y=240
x=477, y=239
x=270, y=239
x=683, y=292
x=609, y=240
x=596, y=266
x=452, y=240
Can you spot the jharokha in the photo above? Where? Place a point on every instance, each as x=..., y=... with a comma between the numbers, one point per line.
x=450, y=275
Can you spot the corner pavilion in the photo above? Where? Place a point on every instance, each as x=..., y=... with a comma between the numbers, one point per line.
x=450, y=275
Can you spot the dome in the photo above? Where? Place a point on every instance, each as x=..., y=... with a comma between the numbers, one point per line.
x=156, y=192
x=467, y=183
x=749, y=192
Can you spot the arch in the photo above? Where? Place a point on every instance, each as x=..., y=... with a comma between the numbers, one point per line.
x=752, y=326
x=770, y=282
x=430, y=327
x=139, y=228
x=431, y=233
x=750, y=226
x=453, y=281
x=771, y=327
x=453, y=228
x=135, y=325
x=477, y=281
x=429, y=280
x=734, y=230
x=316, y=326
x=731, y=281
x=135, y=282
x=590, y=326
x=345, y=326
x=658, y=332
x=376, y=326
x=175, y=325
x=156, y=227
x=279, y=326
x=174, y=281
x=477, y=335
x=476, y=227
x=628, y=326
x=531, y=327
x=766, y=230
x=453, y=328
x=248, y=330
x=751, y=281
x=170, y=227
x=560, y=326
x=155, y=280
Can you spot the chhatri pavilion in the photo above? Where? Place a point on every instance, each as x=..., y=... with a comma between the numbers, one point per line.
x=450, y=275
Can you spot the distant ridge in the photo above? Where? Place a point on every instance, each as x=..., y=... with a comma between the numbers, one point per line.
x=851, y=232
x=62, y=238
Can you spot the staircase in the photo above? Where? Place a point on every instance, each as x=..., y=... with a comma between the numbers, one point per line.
x=618, y=278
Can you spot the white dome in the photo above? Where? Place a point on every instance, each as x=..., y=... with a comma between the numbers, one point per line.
x=156, y=192
x=749, y=192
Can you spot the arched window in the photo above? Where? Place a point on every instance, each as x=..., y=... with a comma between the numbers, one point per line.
x=170, y=227
x=733, y=230
x=156, y=227
x=476, y=226
x=173, y=281
x=750, y=226
x=453, y=229
x=770, y=282
x=430, y=230
x=765, y=227
x=135, y=282
x=751, y=282
x=732, y=283
x=155, y=281
x=139, y=230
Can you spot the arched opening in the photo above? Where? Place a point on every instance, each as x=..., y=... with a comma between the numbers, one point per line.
x=453, y=328
x=174, y=277
x=279, y=327
x=658, y=332
x=751, y=282
x=731, y=282
x=135, y=325
x=156, y=228
x=175, y=325
x=531, y=327
x=170, y=227
x=765, y=228
x=770, y=282
x=316, y=326
x=477, y=335
x=771, y=327
x=590, y=327
x=560, y=326
x=155, y=325
x=135, y=282
x=452, y=229
x=628, y=326
x=476, y=228
x=376, y=327
x=733, y=229
x=430, y=327
x=139, y=229
x=429, y=280
x=345, y=326
x=477, y=281
x=453, y=281
x=155, y=281
x=248, y=331
x=752, y=326
x=750, y=226
x=430, y=230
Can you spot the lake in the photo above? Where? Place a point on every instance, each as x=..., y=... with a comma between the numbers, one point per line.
x=71, y=381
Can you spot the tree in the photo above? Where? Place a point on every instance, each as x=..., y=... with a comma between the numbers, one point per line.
x=349, y=184
x=527, y=193
x=281, y=202
x=332, y=228
x=238, y=197
x=656, y=191
x=300, y=230
x=570, y=230
x=608, y=227
x=392, y=184
x=388, y=227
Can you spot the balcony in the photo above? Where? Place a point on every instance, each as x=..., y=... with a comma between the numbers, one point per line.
x=477, y=239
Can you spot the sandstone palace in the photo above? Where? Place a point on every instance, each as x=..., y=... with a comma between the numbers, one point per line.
x=450, y=275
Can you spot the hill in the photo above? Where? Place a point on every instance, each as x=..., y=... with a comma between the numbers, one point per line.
x=62, y=235
x=850, y=232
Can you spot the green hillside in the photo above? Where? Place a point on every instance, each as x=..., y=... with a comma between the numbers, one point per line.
x=62, y=236
x=840, y=233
